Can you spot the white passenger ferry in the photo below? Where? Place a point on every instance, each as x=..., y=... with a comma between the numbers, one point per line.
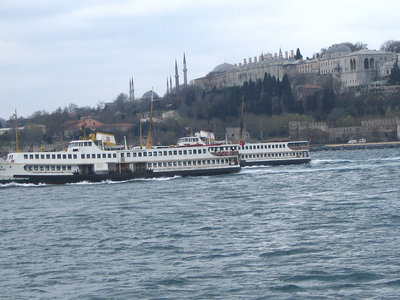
x=264, y=153
x=100, y=159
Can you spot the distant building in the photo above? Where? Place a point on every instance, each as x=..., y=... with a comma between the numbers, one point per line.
x=350, y=69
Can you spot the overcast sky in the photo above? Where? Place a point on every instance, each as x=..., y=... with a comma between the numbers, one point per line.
x=53, y=53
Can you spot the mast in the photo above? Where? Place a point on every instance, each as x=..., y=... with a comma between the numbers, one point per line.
x=140, y=131
x=16, y=131
x=241, y=123
x=148, y=144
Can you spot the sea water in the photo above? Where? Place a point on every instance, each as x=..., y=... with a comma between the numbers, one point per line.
x=328, y=229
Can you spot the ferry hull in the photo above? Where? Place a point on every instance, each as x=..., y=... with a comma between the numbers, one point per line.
x=63, y=179
x=244, y=163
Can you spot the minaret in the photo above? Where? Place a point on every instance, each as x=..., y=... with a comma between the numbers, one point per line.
x=184, y=71
x=131, y=90
x=167, y=86
x=176, y=77
x=170, y=83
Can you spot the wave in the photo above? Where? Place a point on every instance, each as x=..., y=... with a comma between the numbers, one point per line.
x=14, y=184
x=123, y=181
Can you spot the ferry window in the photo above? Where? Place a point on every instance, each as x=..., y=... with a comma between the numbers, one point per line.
x=184, y=152
x=175, y=163
x=160, y=153
x=258, y=147
x=159, y=165
x=169, y=152
x=41, y=168
x=114, y=155
x=75, y=150
x=184, y=163
x=64, y=168
x=82, y=155
x=122, y=154
x=37, y=156
x=87, y=155
x=155, y=153
x=64, y=156
x=48, y=156
x=41, y=156
x=140, y=154
x=35, y=168
x=128, y=154
x=179, y=163
x=69, y=168
x=47, y=168
x=194, y=163
x=109, y=155
x=53, y=168
x=165, y=153
x=175, y=152
x=134, y=154
x=190, y=151
x=93, y=155
x=169, y=164
x=204, y=150
x=25, y=156
x=144, y=153
x=189, y=163
x=59, y=156
x=90, y=143
x=284, y=146
x=208, y=161
x=98, y=155
x=150, y=153
x=180, y=152
x=149, y=165
x=194, y=151
x=58, y=168
x=269, y=146
x=164, y=164
x=30, y=156
x=85, y=143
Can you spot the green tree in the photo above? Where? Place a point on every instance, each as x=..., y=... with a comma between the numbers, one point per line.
x=298, y=54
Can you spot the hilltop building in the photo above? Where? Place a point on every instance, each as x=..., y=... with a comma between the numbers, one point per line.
x=350, y=69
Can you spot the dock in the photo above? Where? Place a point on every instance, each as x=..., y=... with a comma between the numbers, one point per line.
x=355, y=146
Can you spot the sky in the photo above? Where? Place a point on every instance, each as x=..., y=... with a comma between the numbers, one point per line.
x=84, y=52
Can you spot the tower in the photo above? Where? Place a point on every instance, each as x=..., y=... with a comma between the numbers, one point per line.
x=131, y=90
x=167, y=86
x=176, y=77
x=184, y=71
x=170, y=83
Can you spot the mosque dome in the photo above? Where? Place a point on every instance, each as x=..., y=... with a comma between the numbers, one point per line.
x=221, y=68
x=147, y=95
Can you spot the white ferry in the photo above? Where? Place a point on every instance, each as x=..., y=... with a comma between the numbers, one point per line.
x=264, y=153
x=100, y=159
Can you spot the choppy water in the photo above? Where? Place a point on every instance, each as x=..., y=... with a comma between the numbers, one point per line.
x=329, y=229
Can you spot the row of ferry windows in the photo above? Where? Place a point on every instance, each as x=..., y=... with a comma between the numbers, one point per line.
x=47, y=168
x=187, y=163
x=114, y=155
x=304, y=154
x=264, y=146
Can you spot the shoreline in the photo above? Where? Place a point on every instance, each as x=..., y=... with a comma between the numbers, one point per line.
x=356, y=146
